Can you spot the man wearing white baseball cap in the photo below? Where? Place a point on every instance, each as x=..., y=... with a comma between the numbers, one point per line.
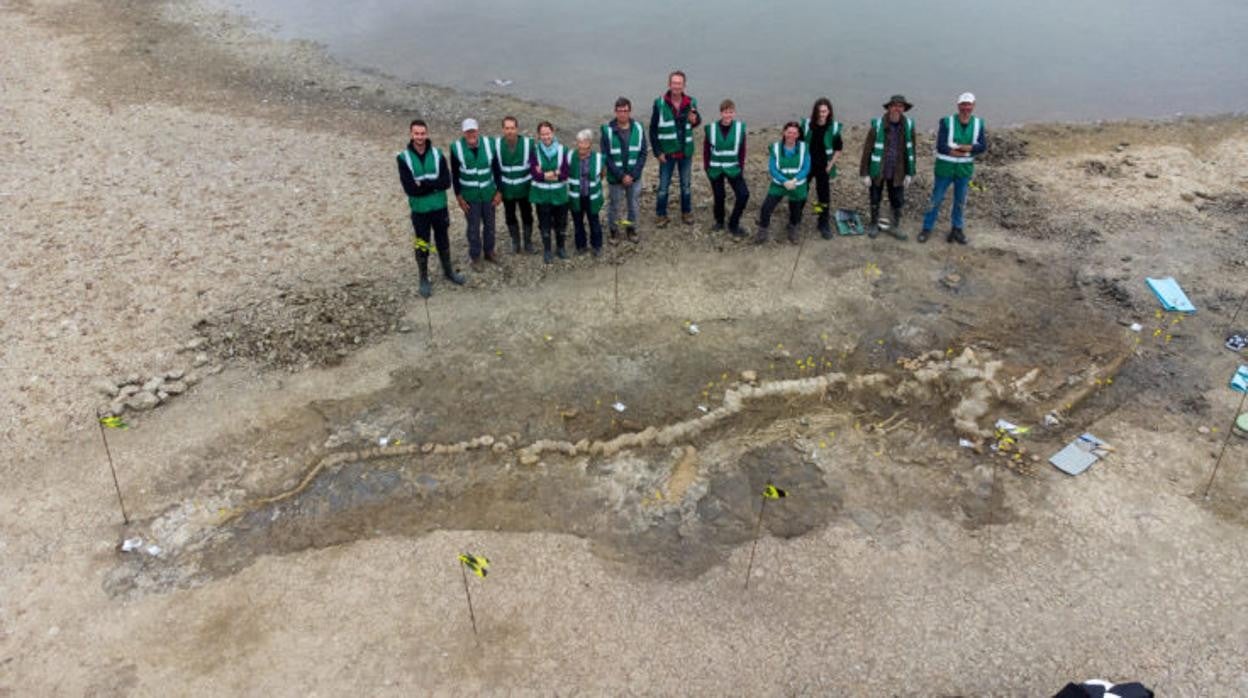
x=477, y=179
x=959, y=139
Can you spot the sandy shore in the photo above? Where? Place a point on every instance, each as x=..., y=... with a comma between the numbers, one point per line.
x=174, y=179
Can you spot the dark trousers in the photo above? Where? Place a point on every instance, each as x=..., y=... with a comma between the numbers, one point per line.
x=823, y=185
x=769, y=205
x=579, y=216
x=526, y=212
x=552, y=218
x=896, y=194
x=480, y=229
x=439, y=223
x=740, y=195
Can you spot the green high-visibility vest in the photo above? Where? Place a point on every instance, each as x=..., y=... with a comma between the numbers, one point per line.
x=789, y=166
x=422, y=172
x=515, y=166
x=623, y=158
x=725, y=152
x=667, y=136
x=829, y=137
x=877, y=151
x=595, y=181
x=543, y=192
x=476, y=178
x=953, y=166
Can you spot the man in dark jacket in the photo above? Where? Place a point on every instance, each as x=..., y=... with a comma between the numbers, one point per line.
x=888, y=161
x=426, y=176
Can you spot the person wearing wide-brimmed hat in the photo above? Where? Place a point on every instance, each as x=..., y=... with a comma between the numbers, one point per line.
x=888, y=160
x=959, y=139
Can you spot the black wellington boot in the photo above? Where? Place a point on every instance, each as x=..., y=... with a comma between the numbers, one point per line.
x=514, y=231
x=873, y=228
x=447, y=270
x=895, y=229
x=422, y=263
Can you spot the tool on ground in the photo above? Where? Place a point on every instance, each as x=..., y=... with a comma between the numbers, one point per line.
x=113, y=422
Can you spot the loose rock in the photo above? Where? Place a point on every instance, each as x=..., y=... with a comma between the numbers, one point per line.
x=105, y=387
x=174, y=387
x=142, y=401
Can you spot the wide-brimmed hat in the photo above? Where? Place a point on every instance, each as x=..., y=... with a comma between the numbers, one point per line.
x=896, y=99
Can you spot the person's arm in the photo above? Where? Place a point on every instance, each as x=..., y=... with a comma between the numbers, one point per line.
x=535, y=170
x=604, y=147
x=706, y=151
x=868, y=145
x=563, y=168
x=741, y=155
x=410, y=187
x=443, y=182
x=640, y=165
x=694, y=117
x=837, y=146
x=455, y=172
x=654, y=128
x=496, y=168
x=981, y=144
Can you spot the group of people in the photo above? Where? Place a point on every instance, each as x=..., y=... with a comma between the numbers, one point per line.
x=544, y=180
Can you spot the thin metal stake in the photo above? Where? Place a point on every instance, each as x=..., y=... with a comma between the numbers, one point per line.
x=468, y=595
x=758, y=527
x=617, y=287
x=429, y=320
x=111, y=468
x=1238, y=411
x=801, y=242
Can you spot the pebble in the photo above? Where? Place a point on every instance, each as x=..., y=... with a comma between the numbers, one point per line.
x=162, y=395
x=153, y=385
x=105, y=387
x=191, y=378
x=1203, y=430
x=133, y=378
x=142, y=401
x=749, y=376
x=1187, y=196
x=127, y=390
x=174, y=387
x=200, y=359
x=214, y=370
x=175, y=374
x=528, y=459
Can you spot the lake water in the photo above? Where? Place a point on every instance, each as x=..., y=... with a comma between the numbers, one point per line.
x=1026, y=60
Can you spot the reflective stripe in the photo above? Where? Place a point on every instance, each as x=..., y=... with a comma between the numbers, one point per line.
x=949, y=121
x=522, y=169
x=542, y=183
x=790, y=171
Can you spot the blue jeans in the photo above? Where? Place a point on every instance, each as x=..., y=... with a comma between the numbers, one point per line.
x=939, y=187
x=665, y=183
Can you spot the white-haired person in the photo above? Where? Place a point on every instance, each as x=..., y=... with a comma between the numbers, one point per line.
x=586, y=170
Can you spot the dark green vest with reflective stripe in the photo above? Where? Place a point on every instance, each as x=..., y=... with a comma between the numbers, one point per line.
x=426, y=171
x=541, y=191
x=476, y=178
x=515, y=167
x=789, y=166
x=595, y=181
x=725, y=150
x=619, y=153
x=877, y=151
x=667, y=128
x=829, y=137
x=953, y=166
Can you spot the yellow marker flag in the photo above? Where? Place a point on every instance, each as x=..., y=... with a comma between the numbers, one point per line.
x=477, y=564
x=773, y=492
x=114, y=423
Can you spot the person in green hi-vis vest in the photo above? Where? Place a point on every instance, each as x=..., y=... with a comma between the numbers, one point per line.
x=822, y=134
x=788, y=163
x=723, y=159
x=623, y=146
x=425, y=176
x=548, y=164
x=512, y=151
x=585, y=172
x=672, y=121
x=959, y=139
x=888, y=154
x=477, y=180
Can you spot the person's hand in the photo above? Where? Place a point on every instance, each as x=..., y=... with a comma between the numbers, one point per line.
x=661, y=157
x=866, y=181
x=498, y=198
x=627, y=180
x=906, y=182
x=790, y=184
x=463, y=204
x=551, y=176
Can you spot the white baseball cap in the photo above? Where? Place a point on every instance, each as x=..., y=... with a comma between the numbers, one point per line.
x=471, y=124
x=964, y=97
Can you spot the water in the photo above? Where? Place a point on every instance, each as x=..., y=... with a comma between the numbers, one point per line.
x=1067, y=60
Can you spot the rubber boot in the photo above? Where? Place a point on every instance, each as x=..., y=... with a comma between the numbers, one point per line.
x=547, y=256
x=514, y=230
x=422, y=263
x=793, y=233
x=825, y=227
x=762, y=236
x=895, y=230
x=560, y=241
x=448, y=271
x=528, y=239
x=873, y=228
